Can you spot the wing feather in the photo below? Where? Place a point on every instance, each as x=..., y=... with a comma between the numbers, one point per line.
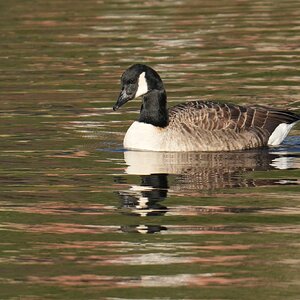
x=212, y=116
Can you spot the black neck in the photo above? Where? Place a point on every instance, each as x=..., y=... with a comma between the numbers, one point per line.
x=154, y=108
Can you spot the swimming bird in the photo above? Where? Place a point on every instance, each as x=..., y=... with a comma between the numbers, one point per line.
x=196, y=125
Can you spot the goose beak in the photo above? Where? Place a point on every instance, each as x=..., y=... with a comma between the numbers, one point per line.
x=122, y=99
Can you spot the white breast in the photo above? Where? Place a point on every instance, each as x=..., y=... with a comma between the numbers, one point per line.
x=142, y=136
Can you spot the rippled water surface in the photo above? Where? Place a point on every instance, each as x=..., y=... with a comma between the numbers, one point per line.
x=82, y=219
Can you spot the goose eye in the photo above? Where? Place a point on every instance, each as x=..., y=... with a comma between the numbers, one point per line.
x=130, y=88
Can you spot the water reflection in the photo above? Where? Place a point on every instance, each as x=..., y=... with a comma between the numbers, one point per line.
x=145, y=199
x=164, y=174
x=62, y=227
x=207, y=165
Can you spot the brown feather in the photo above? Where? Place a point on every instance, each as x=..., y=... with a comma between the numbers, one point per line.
x=211, y=125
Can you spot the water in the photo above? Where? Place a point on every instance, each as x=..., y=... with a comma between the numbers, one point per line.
x=82, y=219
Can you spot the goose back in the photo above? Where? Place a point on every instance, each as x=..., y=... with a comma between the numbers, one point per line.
x=212, y=126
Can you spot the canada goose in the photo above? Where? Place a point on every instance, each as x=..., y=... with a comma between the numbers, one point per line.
x=196, y=125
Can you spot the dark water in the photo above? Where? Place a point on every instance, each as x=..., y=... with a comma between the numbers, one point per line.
x=82, y=219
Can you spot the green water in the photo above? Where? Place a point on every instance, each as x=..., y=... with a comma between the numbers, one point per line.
x=82, y=219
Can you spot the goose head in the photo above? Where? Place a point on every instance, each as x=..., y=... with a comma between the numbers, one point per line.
x=136, y=81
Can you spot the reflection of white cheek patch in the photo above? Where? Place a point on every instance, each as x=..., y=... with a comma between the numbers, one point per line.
x=142, y=86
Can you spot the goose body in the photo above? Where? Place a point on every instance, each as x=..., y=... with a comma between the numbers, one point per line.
x=196, y=125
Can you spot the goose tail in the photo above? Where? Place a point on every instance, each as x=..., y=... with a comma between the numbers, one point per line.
x=283, y=122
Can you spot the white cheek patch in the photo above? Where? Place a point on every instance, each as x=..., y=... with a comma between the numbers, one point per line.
x=142, y=86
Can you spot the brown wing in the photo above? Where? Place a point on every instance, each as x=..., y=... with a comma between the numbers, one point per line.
x=212, y=116
x=211, y=126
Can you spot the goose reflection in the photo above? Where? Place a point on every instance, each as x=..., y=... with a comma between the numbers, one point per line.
x=145, y=199
x=194, y=174
x=204, y=171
